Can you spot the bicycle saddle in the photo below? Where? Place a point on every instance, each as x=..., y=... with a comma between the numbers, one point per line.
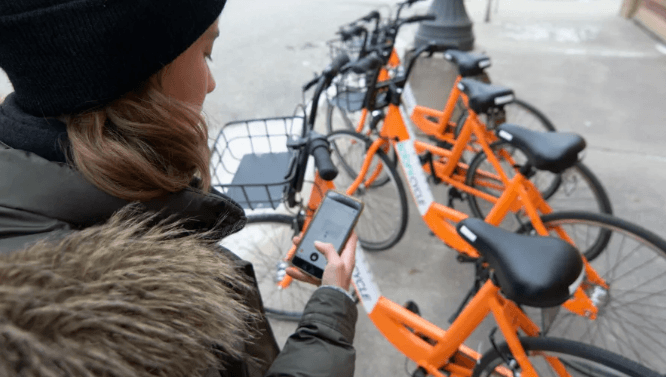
x=532, y=271
x=468, y=64
x=551, y=151
x=483, y=97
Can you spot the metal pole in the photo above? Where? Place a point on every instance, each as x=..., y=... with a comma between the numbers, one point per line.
x=452, y=25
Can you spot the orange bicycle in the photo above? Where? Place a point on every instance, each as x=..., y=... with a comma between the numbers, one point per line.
x=611, y=276
x=516, y=276
x=604, y=296
x=577, y=187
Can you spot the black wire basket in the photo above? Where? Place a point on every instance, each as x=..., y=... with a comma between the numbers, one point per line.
x=250, y=161
x=349, y=91
x=352, y=47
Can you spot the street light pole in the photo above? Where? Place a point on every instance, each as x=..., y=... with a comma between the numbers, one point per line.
x=452, y=25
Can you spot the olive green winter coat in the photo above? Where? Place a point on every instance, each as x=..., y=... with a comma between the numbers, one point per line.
x=84, y=292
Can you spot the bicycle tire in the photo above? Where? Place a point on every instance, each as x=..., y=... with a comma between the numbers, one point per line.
x=517, y=112
x=378, y=228
x=264, y=242
x=579, y=359
x=350, y=125
x=577, y=188
x=346, y=122
x=633, y=264
x=518, y=107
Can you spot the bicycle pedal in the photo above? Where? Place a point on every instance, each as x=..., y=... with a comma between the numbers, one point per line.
x=412, y=307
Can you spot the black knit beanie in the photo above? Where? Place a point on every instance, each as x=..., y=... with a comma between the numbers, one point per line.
x=65, y=56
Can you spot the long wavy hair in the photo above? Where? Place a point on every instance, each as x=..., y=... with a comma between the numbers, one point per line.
x=141, y=146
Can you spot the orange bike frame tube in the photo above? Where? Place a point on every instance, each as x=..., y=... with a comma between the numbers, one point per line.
x=438, y=350
x=394, y=59
x=580, y=303
x=450, y=104
x=436, y=219
x=466, y=322
x=456, y=181
x=395, y=322
x=361, y=122
x=438, y=129
x=433, y=214
x=366, y=165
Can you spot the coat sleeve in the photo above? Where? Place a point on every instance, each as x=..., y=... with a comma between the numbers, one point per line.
x=322, y=344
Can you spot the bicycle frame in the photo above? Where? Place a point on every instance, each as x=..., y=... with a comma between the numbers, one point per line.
x=420, y=114
x=444, y=349
x=519, y=193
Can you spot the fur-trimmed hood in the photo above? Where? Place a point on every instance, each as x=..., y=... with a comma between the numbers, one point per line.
x=122, y=299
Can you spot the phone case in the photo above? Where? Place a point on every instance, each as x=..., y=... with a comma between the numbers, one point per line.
x=346, y=239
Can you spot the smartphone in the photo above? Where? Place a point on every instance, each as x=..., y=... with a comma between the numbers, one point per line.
x=332, y=223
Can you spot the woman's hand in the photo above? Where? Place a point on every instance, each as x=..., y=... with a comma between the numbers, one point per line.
x=338, y=269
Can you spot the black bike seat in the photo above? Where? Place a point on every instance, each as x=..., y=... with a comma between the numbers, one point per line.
x=551, y=151
x=483, y=97
x=532, y=271
x=469, y=64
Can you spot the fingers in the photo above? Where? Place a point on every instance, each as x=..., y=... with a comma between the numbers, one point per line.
x=348, y=254
x=327, y=249
x=300, y=275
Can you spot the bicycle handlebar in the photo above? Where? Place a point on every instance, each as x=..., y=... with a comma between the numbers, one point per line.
x=370, y=62
x=408, y=3
x=319, y=149
x=310, y=83
x=333, y=68
x=329, y=72
x=374, y=15
x=418, y=18
x=353, y=31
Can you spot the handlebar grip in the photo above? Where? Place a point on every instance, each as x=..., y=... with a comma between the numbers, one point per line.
x=419, y=18
x=310, y=83
x=371, y=16
x=323, y=162
x=368, y=63
x=337, y=63
x=354, y=31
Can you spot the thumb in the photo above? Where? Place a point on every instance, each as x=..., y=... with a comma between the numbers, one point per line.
x=327, y=249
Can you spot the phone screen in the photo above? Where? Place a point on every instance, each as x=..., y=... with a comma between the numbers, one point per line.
x=332, y=224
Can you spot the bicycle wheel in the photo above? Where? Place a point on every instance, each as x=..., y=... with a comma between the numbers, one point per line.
x=265, y=241
x=577, y=188
x=517, y=112
x=523, y=114
x=632, y=310
x=384, y=218
x=338, y=118
x=578, y=359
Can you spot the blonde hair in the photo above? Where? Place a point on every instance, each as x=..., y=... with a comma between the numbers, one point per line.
x=141, y=146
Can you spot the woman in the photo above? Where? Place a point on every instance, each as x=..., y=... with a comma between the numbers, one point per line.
x=107, y=111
